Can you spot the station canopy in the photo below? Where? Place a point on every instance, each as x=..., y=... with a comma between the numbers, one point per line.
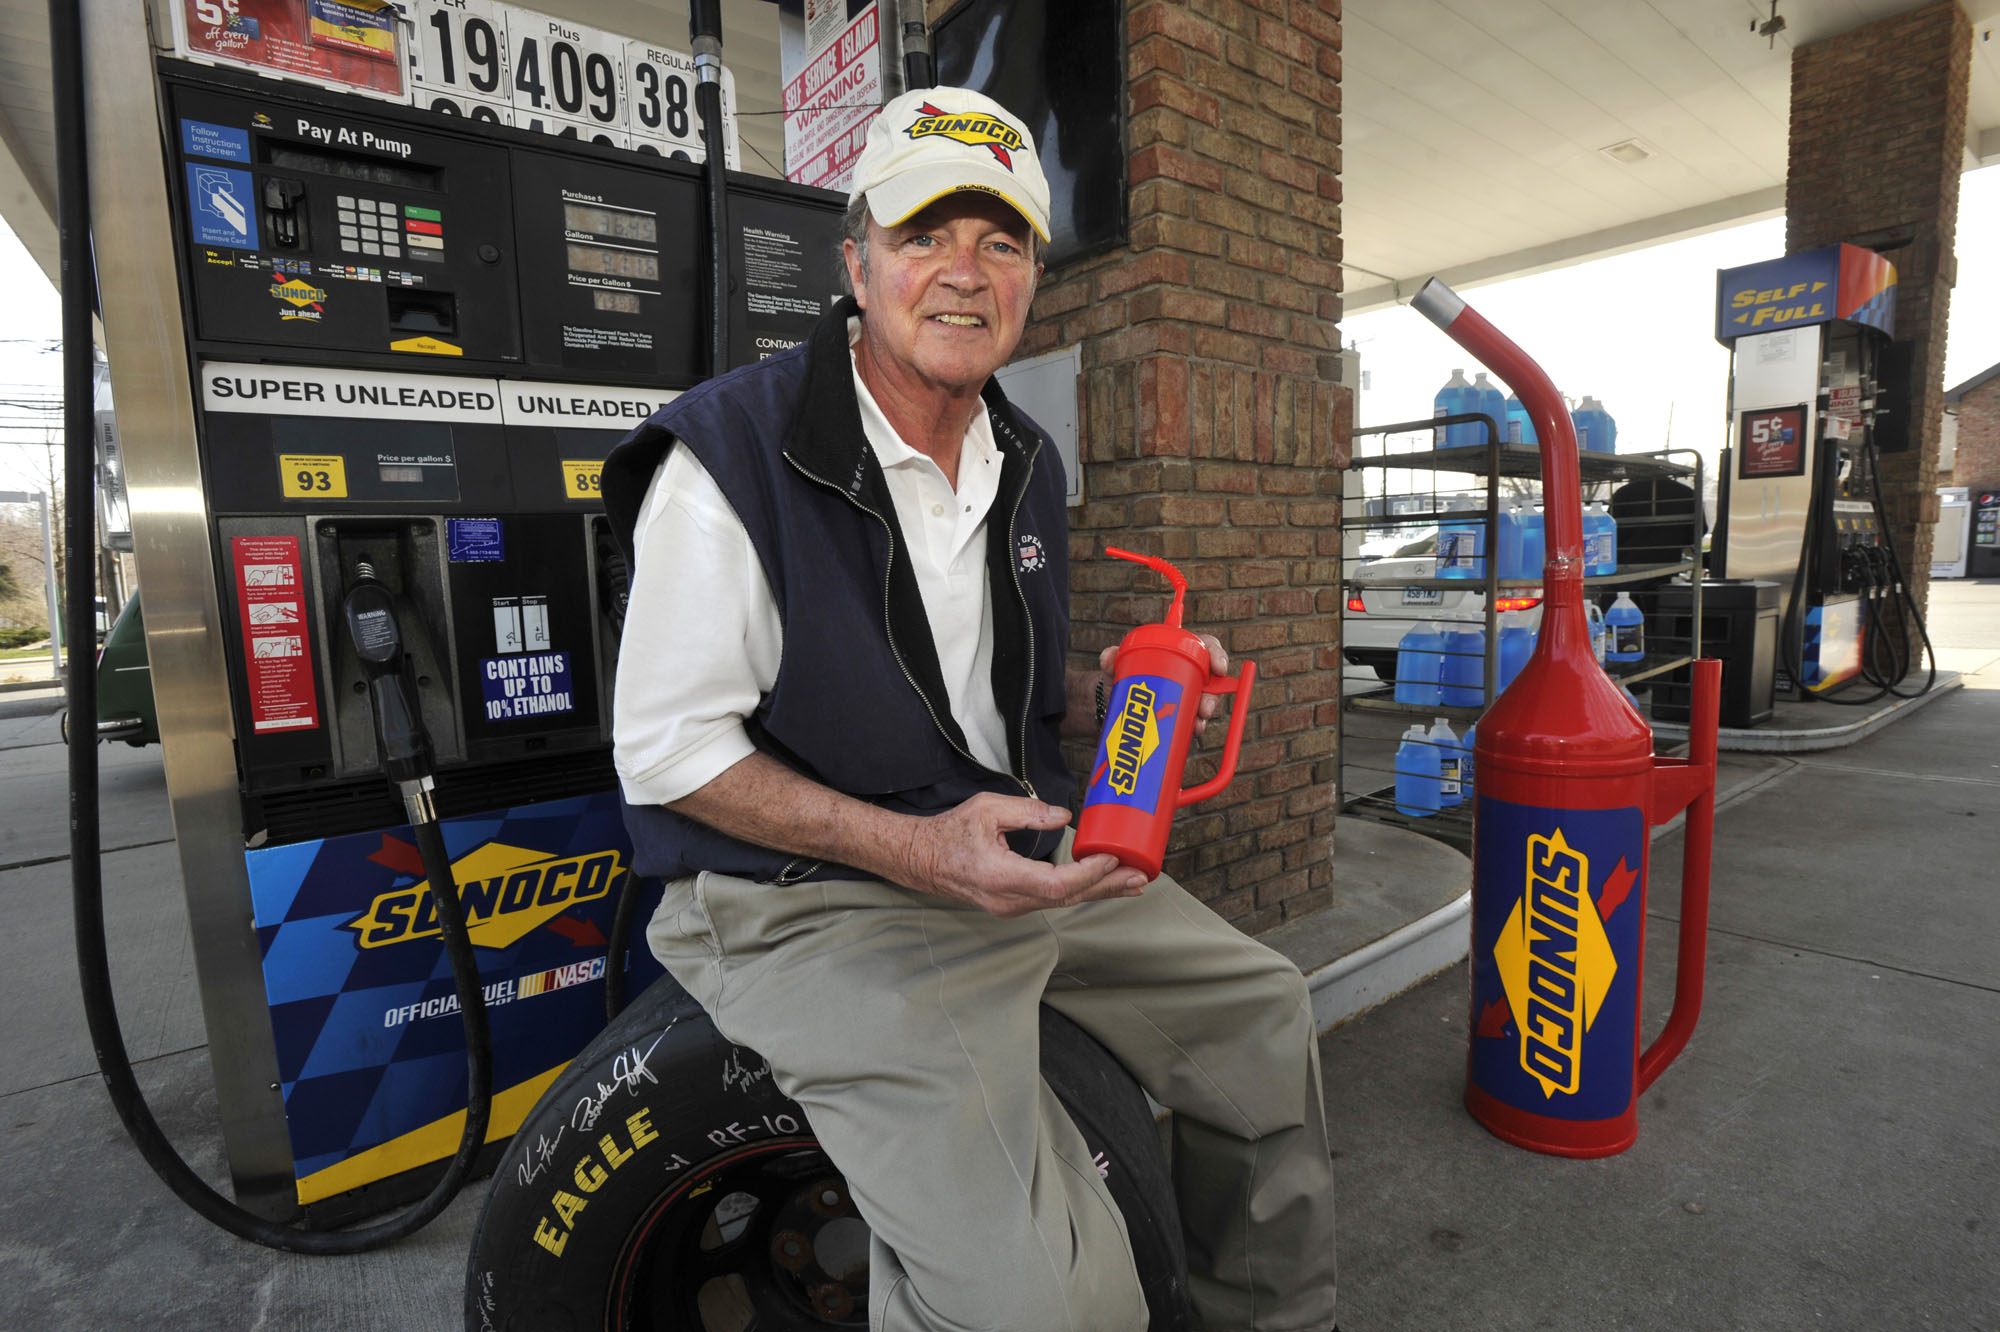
x=1482, y=139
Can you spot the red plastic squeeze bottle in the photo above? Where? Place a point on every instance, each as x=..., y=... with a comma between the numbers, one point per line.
x=1135, y=782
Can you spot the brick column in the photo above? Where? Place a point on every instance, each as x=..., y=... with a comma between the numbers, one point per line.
x=1978, y=463
x=1877, y=145
x=1213, y=426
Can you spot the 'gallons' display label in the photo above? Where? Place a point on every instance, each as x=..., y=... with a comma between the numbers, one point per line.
x=1132, y=755
x=1555, y=951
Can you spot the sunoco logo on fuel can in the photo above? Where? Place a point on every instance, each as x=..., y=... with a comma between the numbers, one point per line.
x=1132, y=755
x=1555, y=954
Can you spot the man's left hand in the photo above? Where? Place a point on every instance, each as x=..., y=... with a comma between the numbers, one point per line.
x=1218, y=664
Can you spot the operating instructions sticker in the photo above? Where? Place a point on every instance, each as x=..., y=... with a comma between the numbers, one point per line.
x=270, y=604
x=475, y=540
x=526, y=684
x=222, y=206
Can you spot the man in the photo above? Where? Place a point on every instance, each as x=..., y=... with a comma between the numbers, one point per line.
x=839, y=699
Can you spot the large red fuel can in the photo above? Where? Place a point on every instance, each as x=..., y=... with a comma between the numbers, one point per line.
x=1162, y=670
x=1568, y=791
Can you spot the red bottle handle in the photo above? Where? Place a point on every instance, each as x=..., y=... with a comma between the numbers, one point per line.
x=1239, y=685
x=1697, y=852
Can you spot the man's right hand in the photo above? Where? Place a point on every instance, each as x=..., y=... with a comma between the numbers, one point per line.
x=963, y=854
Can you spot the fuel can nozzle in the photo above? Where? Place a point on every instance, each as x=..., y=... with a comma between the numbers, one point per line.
x=1135, y=780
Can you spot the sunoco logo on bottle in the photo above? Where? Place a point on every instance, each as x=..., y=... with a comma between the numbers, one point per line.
x=1130, y=760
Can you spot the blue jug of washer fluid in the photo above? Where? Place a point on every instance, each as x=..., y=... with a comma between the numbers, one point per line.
x=1420, y=664
x=1493, y=403
x=1596, y=432
x=1465, y=748
x=1461, y=548
x=1520, y=429
x=1464, y=678
x=1450, y=764
x=1534, y=552
x=1508, y=544
x=1455, y=398
x=1418, y=774
x=1625, y=628
x=1600, y=542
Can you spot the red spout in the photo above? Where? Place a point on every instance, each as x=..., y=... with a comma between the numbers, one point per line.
x=1563, y=715
x=1562, y=481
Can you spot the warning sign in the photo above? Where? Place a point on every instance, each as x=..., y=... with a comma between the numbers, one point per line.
x=829, y=104
x=270, y=604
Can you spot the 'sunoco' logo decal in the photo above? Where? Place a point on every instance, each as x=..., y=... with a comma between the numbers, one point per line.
x=1033, y=554
x=975, y=130
x=1555, y=961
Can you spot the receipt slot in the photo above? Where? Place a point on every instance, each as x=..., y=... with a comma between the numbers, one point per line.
x=407, y=339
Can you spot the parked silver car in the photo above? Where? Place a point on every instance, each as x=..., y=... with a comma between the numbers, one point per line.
x=1385, y=597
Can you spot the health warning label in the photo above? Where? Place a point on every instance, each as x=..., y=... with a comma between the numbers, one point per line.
x=270, y=605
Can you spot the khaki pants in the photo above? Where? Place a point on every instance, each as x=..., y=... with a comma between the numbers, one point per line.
x=906, y=1027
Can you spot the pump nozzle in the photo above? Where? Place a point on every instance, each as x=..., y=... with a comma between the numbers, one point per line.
x=370, y=615
x=1166, y=571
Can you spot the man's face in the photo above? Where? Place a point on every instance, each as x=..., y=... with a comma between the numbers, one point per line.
x=946, y=293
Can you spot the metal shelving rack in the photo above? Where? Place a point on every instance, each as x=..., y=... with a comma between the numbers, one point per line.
x=1371, y=721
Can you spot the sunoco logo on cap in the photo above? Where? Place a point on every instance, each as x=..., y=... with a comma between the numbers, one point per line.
x=974, y=130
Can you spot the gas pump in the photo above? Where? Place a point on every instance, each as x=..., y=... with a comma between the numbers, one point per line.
x=1818, y=390
x=378, y=351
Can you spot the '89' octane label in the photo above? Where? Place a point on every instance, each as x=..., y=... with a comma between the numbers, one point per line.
x=1132, y=753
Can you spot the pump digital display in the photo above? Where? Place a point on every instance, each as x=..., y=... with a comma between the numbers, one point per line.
x=294, y=157
x=614, y=263
x=617, y=302
x=616, y=223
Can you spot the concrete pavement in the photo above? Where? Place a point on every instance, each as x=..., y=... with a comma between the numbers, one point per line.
x=1826, y=1154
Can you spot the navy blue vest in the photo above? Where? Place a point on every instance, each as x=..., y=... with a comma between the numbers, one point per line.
x=860, y=703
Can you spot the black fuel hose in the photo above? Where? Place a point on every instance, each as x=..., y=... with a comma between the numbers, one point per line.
x=79, y=299
x=705, y=34
x=1896, y=594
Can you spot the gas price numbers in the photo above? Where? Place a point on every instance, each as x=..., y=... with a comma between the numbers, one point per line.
x=506, y=65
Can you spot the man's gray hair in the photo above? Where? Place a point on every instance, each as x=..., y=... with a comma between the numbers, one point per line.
x=854, y=227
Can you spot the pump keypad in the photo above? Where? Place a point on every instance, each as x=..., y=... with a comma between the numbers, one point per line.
x=371, y=226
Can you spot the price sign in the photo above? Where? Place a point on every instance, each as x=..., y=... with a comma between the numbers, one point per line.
x=567, y=79
x=461, y=60
x=663, y=120
x=582, y=479
x=312, y=476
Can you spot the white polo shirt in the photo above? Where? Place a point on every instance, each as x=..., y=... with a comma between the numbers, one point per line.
x=702, y=637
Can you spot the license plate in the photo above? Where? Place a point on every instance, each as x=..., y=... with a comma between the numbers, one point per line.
x=1423, y=596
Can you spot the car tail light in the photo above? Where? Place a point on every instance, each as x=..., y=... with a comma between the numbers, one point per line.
x=1516, y=603
x=1357, y=606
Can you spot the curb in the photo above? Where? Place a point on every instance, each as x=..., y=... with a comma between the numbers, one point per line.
x=1766, y=741
x=1378, y=972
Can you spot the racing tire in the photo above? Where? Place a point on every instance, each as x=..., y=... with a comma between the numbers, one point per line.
x=645, y=1193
